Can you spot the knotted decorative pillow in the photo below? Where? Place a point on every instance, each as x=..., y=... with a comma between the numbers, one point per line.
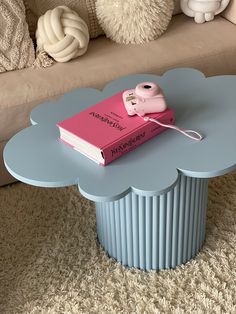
x=134, y=21
x=85, y=8
x=62, y=34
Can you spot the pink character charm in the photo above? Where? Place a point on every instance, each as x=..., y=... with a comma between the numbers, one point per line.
x=147, y=97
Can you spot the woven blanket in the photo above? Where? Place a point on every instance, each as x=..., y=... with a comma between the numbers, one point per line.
x=16, y=46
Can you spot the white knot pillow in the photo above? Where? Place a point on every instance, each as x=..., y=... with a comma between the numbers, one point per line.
x=134, y=21
x=203, y=11
x=62, y=34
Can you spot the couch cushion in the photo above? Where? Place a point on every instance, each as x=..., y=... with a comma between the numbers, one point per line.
x=184, y=44
x=16, y=46
x=230, y=12
x=177, y=8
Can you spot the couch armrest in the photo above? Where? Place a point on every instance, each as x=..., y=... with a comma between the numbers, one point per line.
x=230, y=12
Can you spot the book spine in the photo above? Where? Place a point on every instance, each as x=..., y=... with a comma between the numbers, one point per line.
x=133, y=140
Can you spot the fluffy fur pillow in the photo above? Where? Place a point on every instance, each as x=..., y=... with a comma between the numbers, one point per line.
x=85, y=9
x=134, y=21
x=16, y=46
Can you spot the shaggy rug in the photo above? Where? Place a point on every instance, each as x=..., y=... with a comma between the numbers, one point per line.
x=50, y=261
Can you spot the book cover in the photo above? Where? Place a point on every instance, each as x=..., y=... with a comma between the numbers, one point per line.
x=104, y=131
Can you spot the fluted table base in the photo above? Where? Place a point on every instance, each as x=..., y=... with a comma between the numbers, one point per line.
x=157, y=232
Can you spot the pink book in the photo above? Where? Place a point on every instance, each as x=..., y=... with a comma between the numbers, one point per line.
x=105, y=131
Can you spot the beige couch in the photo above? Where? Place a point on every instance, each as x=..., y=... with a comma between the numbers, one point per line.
x=208, y=47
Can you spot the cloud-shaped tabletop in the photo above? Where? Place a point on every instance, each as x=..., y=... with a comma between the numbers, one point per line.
x=36, y=156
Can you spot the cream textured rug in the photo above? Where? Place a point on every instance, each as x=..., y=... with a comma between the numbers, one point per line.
x=50, y=261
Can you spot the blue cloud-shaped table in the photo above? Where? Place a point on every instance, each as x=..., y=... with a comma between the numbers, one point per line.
x=151, y=202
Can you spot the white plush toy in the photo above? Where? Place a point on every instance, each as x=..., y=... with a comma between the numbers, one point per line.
x=203, y=10
x=62, y=34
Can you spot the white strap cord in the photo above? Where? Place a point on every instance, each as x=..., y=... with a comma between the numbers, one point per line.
x=189, y=133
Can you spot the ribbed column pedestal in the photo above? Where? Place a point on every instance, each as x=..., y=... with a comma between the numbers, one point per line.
x=155, y=232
